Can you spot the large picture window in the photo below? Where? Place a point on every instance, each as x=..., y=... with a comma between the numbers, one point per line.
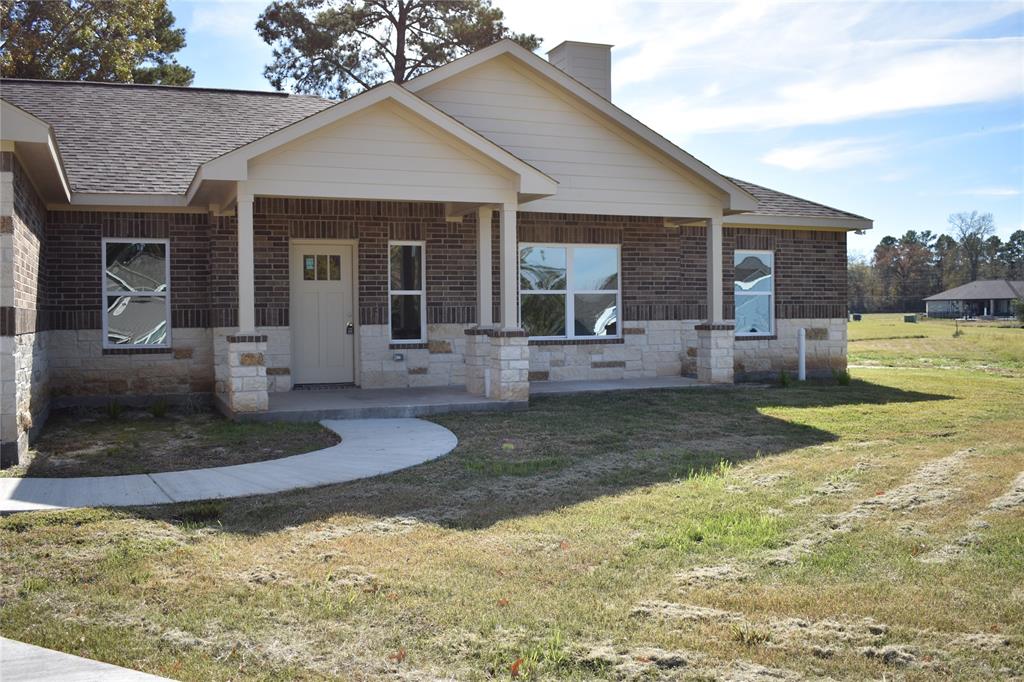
x=754, y=289
x=136, y=293
x=569, y=291
x=407, y=292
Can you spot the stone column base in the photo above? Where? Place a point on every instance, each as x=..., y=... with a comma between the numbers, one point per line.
x=715, y=353
x=246, y=386
x=508, y=372
x=477, y=358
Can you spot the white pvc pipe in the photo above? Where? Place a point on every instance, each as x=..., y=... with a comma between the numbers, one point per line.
x=801, y=342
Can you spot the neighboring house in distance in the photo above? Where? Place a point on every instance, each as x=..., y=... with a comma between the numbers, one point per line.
x=495, y=222
x=992, y=297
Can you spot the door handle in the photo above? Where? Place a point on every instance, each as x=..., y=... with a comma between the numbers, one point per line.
x=349, y=329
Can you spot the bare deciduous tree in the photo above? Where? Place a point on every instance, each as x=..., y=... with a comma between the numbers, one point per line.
x=972, y=229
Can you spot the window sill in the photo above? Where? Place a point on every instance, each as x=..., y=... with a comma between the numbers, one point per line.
x=575, y=341
x=407, y=345
x=757, y=337
x=137, y=351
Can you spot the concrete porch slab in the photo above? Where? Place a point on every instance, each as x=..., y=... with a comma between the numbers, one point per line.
x=390, y=403
x=376, y=403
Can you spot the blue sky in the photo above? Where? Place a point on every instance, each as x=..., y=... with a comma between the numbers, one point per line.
x=902, y=112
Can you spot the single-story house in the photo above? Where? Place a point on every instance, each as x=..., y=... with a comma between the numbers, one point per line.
x=983, y=297
x=495, y=222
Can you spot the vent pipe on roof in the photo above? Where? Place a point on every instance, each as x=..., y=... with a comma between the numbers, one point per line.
x=589, y=63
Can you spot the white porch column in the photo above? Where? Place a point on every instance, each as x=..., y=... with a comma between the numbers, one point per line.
x=509, y=268
x=246, y=269
x=484, y=268
x=714, y=268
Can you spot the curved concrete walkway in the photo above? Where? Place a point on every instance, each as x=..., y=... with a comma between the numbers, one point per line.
x=369, y=447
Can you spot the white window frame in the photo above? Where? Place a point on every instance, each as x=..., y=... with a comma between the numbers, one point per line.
x=166, y=294
x=771, y=294
x=421, y=292
x=570, y=290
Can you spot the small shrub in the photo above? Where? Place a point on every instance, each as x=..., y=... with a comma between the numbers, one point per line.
x=159, y=409
x=784, y=379
x=1018, y=309
x=114, y=409
x=957, y=332
x=842, y=377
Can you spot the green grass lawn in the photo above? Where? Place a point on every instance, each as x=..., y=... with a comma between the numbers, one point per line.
x=869, y=531
x=886, y=340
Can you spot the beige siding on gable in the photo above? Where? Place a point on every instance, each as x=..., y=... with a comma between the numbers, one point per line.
x=380, y=154
x=599, y=169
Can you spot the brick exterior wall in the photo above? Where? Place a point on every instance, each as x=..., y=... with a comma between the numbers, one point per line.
x=24, y=279
x=664, y=273
x=810, y=270
x=450, y=253
x=24, y=356
x=74, y=262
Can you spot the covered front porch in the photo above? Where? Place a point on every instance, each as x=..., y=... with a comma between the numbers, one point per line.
x=466, y=343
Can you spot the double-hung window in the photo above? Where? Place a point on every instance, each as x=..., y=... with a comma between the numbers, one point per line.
x=754, y=289
x=407, y=292
x=569, y=291
x=136, y=293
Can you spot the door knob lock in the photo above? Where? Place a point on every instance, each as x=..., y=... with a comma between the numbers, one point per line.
x=349, y=329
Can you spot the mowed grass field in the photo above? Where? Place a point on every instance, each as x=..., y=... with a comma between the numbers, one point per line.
x=868, y=531
x=886, y=340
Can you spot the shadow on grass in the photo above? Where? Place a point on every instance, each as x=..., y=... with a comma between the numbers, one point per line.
x=563, y=451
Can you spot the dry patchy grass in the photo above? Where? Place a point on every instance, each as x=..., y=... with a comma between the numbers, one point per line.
x=95, y=443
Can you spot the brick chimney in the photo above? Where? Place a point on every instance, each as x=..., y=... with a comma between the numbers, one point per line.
x=589, y=63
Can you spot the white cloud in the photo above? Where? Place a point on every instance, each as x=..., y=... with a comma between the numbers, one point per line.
x=992, y=192
x=688, y=68
x=948, y=73
x=825, y=155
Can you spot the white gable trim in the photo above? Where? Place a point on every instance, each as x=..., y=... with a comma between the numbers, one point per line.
x=738, y=199
x=32, y=140
x=233, y=166
x=789, y=221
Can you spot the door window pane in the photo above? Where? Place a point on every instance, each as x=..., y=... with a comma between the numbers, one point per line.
x=543, y=314
x=321, y=267
x=136, y=320
x=595, y=314
x=406, y=267
x=753, y=271
x=406, y=317
x=595, y=268
x=542, y=268
x=309, y=268
x=336, y=268
x=134, y=266
x=753, y=314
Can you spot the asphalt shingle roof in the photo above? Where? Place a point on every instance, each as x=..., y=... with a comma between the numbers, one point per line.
x=773, y=202
x=982, y=289
x=146, y=138
x=151, y=139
